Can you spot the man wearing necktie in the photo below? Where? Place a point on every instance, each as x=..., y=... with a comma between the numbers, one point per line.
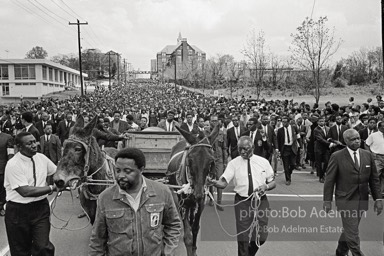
x=27, y=210
x=375, y=143
x=367, y=131
x=40, y=125
x=250, y=173
x=335, y=134
x=233, y=135
x=64, y=126
x=350, y=172
x=287, y=147
x=322, y=148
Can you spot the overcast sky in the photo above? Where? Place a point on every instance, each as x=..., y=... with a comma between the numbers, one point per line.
x=138, y=29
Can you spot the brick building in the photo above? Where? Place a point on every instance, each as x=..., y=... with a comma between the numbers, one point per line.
x=173, y=61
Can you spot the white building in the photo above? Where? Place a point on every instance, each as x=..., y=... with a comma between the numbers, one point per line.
x=33, y=78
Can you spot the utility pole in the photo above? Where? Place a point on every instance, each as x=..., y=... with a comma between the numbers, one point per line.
x=176, y=73
x=118, y=69
x=109, y=67
x=78, y=39
x=382, y=40
x=125, y=73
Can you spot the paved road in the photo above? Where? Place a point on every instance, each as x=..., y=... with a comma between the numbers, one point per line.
x=304, y=192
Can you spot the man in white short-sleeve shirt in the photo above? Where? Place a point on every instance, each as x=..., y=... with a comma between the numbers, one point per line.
x=375, y=143
x=250, y=174
x=27, y=210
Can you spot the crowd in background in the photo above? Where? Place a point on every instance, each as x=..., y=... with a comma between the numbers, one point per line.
x=139, y=105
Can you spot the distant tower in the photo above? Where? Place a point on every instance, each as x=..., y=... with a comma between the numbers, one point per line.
x=179, y=38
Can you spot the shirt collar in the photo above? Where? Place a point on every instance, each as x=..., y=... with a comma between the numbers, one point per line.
x=27, y=127
x=24, y=158
x=351, y=152
x=143, y=187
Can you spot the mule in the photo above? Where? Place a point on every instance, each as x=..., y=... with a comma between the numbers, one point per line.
x=83, y=162
x=191, y=164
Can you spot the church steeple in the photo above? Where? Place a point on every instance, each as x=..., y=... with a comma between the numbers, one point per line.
x=179, y=38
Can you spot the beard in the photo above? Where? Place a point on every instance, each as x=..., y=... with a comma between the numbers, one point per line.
x=125, y=184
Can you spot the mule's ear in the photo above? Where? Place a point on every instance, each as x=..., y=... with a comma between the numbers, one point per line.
x=187, y=136
x=79, y=122
x=88, y=129
x=212, y=137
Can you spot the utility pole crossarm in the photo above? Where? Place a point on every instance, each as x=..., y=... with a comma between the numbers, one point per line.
x=78, y=23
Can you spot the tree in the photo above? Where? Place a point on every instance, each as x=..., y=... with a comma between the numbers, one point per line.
x=312, y=47
x=36, y=52
x=255, y=52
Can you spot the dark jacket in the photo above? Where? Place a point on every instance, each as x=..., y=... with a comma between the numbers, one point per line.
x=63, y=130
x=351, y=191
x=281, y=138
x=54, y=147
x=232, y=141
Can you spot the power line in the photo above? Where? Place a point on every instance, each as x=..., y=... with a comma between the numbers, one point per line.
x=49, y=15
x=77, y=15
x=64, y=9
x=28, y=10
x=51, y=11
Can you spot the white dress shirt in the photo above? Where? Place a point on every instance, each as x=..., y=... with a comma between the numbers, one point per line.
x=19, y=173
x=237, y=170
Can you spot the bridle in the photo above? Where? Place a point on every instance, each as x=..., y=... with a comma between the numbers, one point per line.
x=187, y=151
x=87, y=180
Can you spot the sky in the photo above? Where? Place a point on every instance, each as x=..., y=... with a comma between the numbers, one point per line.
x=138, y=29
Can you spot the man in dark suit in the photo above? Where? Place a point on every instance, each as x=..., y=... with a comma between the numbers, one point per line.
x=50, y=145
x=6, y=153
x=271, y=136
x=287, y=147
x=364, y=133
x=362, y=123
x=351, y=170
x=189, y=126
x=322, y=147
x=27, y=121
x=255, y=131
x=233, y=135
x=302, y=129
x=64, y=127
x=40, y=125
x=335, y=134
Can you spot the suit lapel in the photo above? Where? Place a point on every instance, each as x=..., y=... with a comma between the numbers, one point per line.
x=350, y=160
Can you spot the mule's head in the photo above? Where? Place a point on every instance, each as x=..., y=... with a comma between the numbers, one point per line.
x=77, y=154
x=200, y=159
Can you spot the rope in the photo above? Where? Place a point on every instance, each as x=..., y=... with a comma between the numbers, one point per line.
x=66, y=222
x=255, y=198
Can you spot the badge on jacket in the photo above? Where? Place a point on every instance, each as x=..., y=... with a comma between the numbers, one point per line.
x=259, y=143
x=155, y=219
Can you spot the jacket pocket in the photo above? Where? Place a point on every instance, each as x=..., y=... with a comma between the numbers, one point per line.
x=118, y=221
x=155, y=214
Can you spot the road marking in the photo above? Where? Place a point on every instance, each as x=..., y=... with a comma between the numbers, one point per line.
x=5, y=251
x=277, y=195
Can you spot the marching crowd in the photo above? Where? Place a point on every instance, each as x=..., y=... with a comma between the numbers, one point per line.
x=300, y=135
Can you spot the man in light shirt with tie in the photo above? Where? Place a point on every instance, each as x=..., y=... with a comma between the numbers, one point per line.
x=27, y=210
x=350, y=172
x=249, y=173
x=375, y=143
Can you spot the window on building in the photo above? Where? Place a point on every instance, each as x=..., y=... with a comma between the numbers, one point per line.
x=45, y=73
x=50, y=74
x=56, y=75
x=3, y=72
x=25, y=72
x=5, y=88
x=45, y=84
